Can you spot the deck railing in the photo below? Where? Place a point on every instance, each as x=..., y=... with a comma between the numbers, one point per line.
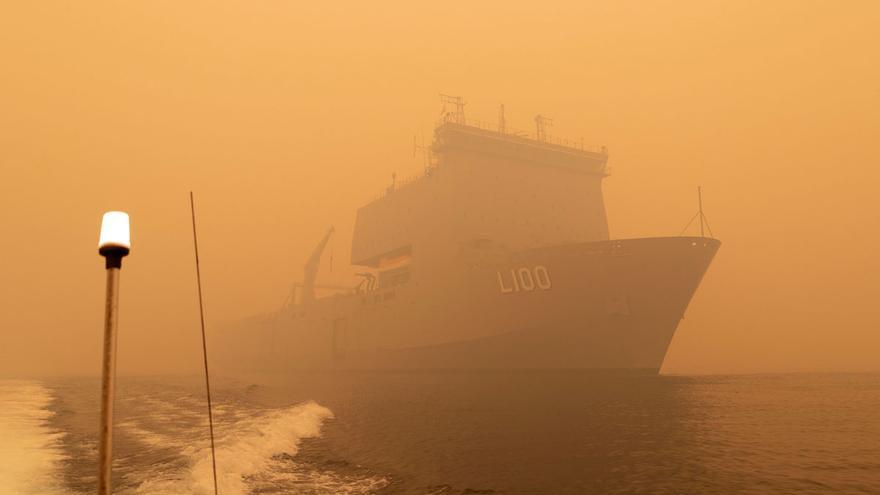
x=510, y=131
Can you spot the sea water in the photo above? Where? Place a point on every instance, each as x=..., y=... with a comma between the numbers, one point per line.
x=451, y=432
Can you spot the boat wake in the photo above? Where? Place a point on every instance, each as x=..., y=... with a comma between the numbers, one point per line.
x=30, y=452
x=255, y=454
x=48, y=443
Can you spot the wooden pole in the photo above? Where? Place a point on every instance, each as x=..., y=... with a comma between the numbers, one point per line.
x=108, y=383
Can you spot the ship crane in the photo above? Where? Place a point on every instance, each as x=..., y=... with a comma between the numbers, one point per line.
x=311, y=269
x=308, y=284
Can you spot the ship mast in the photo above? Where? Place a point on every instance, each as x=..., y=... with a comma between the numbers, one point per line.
x=704, y=222
x=502, y=121
x=702, y=217
x=541, y=125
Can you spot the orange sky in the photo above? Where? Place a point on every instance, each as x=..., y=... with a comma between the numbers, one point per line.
x=284, y=117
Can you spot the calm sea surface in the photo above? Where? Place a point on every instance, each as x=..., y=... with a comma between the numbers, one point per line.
x=551, y=432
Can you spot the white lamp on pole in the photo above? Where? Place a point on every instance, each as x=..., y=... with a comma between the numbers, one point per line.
x=113, y=244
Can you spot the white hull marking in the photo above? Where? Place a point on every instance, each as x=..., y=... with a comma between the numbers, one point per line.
x=526, y=280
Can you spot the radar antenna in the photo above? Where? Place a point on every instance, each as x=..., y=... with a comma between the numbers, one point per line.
x=455, y=116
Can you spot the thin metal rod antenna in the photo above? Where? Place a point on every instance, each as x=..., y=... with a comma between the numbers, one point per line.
x=192, y=206
x=700, y=196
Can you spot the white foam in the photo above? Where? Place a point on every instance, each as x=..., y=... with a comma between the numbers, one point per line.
x=244, y=448
x=30, y=450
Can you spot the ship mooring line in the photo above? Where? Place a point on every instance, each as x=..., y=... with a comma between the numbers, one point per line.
x=192, y=207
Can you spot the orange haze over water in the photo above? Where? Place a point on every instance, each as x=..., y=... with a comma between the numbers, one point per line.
x=284, y=117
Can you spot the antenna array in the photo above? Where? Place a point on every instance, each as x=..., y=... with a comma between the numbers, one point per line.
x=541, y=125
x=456, y=115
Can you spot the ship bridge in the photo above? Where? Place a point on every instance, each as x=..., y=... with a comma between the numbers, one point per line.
x=485, y=184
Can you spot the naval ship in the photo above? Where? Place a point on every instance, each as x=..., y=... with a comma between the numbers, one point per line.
x=497, y=256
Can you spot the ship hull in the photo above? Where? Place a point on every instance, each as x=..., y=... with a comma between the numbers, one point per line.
x=601, y=305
